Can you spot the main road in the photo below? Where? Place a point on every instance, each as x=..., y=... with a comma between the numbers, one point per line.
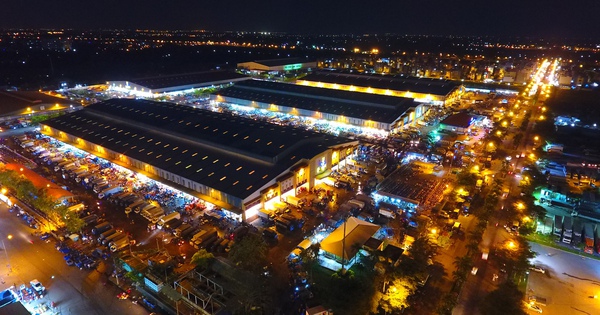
x=74, y=291
x=477, y=286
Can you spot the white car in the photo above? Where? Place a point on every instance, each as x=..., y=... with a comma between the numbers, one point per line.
x=533, y=307
x=474, y=270
x=538, y=269
x=38, y=287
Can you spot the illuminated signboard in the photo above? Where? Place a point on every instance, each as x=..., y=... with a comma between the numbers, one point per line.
x=295, y=66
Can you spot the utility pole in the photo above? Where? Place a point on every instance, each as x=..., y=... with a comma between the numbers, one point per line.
x=344, y=246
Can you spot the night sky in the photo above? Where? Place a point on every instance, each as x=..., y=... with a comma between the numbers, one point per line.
x=549, y=18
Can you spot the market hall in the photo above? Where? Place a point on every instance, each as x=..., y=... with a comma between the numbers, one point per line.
x=239, y=164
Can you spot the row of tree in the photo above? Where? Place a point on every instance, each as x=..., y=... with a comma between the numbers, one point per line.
x=24, y=190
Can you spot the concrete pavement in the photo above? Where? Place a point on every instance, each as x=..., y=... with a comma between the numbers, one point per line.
x=74, y=291
x=571, y=284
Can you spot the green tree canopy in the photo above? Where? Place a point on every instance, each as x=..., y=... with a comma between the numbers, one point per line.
x=396, y=297
x=202, y=258
x=250, y=253
x=507, y=299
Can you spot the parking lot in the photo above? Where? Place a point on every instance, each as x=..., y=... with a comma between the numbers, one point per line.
x=569, y=284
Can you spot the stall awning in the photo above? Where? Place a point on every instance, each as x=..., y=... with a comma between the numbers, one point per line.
x=323, y=175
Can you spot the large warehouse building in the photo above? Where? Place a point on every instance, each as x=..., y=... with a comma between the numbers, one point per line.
x=173, y=84
x=278, y=65
x=380, y=112
x=238, y=164
x=26, y=104
x=431, y=91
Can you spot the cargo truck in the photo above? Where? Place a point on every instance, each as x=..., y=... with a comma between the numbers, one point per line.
x=171, y=225
x=567, y=230
x=90, y=219
x=204, y=238
x=106, y=234
x=558, y=225
x=138, y=202
x=577, y=231
x=102, y=227
x=188, y=232
x=110, y=191
x=100, y=187
x=145, y=205
x=114, y=237
x=197, y=236
x=284, y=224
x=588, y=233
x=164, y=220
x=180, y=229
x=119, y=244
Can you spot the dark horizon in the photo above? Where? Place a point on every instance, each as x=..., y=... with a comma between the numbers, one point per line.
x=534, y=19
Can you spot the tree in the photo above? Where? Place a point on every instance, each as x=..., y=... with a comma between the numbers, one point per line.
x=463, y=264
x=250, y=253
x=516, y=258
x=466, y=178
x=395, y=299
x=202, y=258
x=507, y=299
x=419, y=253
x=447, y=303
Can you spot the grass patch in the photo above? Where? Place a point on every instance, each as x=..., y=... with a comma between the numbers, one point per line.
x=549, y=240
x=345, y=296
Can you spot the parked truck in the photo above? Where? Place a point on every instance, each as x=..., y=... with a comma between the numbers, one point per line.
x=197, y=236
x=180, y=229
x=204, y=238
x=588, y=233
x=102, y=227
x=172, y=225
x=109, y=191
x=164, y=220
x=187, y=232
x=567, y=230
x=100, y=187
x=138, y=202
x=114, y=237
x=558, y=225
x=577, y=231
x=153, y=214
x=106, y=234
x=119, y=244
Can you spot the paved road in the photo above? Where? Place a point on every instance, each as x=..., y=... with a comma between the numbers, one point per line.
x=477, y=286
x=569, y=284
x=74, y=291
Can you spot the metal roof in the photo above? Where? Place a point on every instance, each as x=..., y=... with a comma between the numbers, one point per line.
x=281, y=61
x=187, y=79
x=462, y=120
x=12, y=101
x=389, y=82
x=350, y=104
x=230, y=153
